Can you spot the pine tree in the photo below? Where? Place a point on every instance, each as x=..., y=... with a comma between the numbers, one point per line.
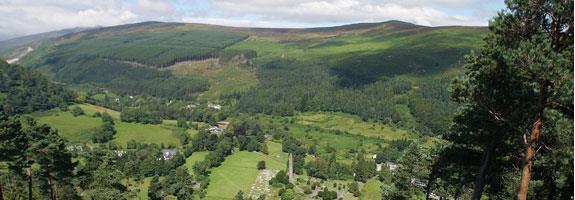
x=55, y=162
x=521, y=77
x=13, y=145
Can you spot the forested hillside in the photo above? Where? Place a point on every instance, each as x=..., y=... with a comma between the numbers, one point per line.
x=393, y=71
x=24, y=91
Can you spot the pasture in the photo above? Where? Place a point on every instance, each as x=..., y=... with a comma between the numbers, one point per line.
x=239, y=172
x=78, y=130
x=351, y=124
x=195, y=157
x=371, y=190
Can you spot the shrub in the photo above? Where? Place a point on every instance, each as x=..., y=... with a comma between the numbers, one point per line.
x=77, y=111
x=261, y=165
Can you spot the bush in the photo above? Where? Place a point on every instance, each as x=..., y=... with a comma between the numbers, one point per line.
x=327, y=194
x=239, y=196
x=288, y=195
x=315, y=185
x=77, y=111
x=354, y=189
x=280, y=178
x=64, y=107
x=307, y=190
x=261, y=165
x=97, y=114
x=139, y=115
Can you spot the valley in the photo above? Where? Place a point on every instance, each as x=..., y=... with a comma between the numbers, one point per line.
x=343, y=95
x=387, y=110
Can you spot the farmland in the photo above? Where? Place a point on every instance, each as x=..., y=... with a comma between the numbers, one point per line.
x=239, y=171
x=79, y=129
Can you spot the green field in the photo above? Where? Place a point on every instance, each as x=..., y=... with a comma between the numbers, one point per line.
x=371, y=190
x=90, y=109
x=145, y=133
x=78, y=129
x=195, y=157
x=238, y=171
x=313, y=134
x=74, y=129
x=351, y=124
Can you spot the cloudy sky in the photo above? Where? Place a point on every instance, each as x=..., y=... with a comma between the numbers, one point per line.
x=23, y=17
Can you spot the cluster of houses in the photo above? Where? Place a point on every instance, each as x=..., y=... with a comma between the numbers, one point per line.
x=210, y=105
x=167, y=154
x=378, y=166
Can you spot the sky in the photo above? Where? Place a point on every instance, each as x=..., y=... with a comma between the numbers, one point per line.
x=24, y=17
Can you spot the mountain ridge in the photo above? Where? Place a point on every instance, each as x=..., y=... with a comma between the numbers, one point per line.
x=4, y=44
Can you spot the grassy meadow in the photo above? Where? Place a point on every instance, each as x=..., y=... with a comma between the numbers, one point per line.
x=371, y=190
x=195, y=157
x=239, y=172
x=78, y=130
x=351, y=124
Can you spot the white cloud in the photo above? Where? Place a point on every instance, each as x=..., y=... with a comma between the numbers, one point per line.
x=242, y=22
x=155, y=6
x=28, y=16
x=346, y=11
x=22, y=17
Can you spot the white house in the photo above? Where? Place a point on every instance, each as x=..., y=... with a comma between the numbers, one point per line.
x=75, y=148
x=168, y=154
x=120, y=153
x=214, y=106
x=392, y=166
x=378, y=167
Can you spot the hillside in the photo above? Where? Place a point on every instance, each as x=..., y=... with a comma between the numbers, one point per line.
x=385, y=110
x=405, y=67
x=23, y=90
x=11, y=46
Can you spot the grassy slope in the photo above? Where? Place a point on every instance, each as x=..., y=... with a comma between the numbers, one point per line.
x=314, y=134
x=77, y=129
x=238, y=171
x=223, y=78
x=90, y=109
x=195, y=157
x=74, y=129
x=302, y=46
x=371, y=190
x=350, y=123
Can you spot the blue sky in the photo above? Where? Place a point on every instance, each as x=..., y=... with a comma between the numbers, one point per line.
x=22, y=17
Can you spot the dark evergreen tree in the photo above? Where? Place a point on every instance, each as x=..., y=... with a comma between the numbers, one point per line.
x=515, y=92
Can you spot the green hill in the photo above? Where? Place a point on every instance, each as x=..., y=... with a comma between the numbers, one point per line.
x=373, y=70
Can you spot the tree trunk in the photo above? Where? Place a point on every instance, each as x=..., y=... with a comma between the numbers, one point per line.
x=1, y=191
x=29, y=170
x=459, y=189
x=529, y=155
x=481, y=176
x=428, y=188
x=14, y=190
x=430, y=180
x=52, y=196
